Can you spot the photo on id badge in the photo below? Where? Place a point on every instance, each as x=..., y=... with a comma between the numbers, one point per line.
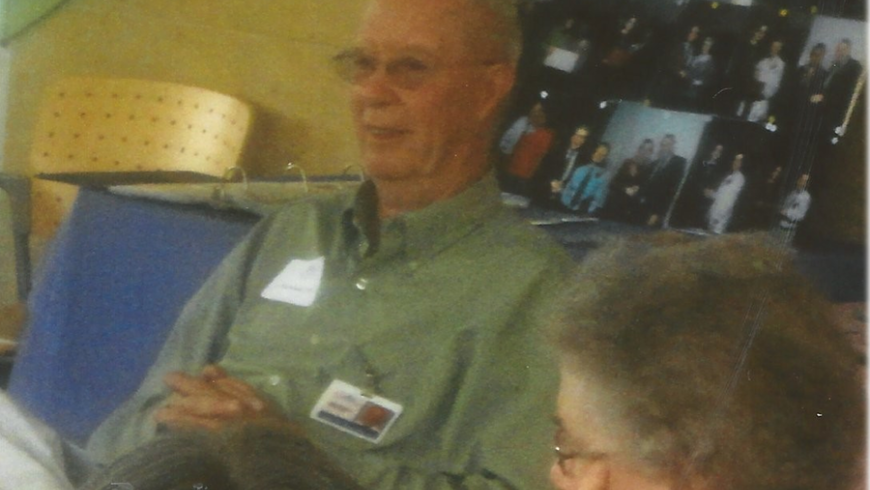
x=346, y=408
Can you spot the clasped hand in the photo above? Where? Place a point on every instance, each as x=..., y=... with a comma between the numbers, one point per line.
x=211, y=401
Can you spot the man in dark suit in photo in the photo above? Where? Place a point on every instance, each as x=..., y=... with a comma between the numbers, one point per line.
x=673, y=82
x=741, y=69
x=703, y=177
x=558, y=165
x=665, y=174
x=840, y=85
x=811, y=77
x=804, y=102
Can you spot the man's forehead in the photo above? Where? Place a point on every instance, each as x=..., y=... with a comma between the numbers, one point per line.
x=420, y=25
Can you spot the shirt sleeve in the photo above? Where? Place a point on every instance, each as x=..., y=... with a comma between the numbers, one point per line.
x=195, y=340
x=31, y=453
x=512, y=135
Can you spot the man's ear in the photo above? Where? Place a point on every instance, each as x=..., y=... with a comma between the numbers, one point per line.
x=497, y=87
x=587, y=475
x=596, y=476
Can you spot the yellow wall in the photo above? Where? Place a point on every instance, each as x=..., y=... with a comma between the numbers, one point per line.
x=17, y=15
x=271, y=53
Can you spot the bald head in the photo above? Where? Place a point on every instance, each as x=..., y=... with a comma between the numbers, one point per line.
x=489, y=28
x=502, y=26
x=429, y=81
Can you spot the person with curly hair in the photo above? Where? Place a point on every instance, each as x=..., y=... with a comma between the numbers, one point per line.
x=708, y=365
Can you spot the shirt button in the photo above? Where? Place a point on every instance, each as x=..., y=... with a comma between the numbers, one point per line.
x=274, y=380
x=362, y=283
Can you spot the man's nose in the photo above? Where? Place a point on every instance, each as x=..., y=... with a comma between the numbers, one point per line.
x=377, y=89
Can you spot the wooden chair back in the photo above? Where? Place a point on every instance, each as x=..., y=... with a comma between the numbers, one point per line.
x=98, y=124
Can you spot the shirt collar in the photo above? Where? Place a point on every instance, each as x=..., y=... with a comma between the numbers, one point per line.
x=365, y=220
x=427, y=231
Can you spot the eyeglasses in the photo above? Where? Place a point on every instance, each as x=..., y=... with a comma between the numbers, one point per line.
x=563, y=455
x=409, y=72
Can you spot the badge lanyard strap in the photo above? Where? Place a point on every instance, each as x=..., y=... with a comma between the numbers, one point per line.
x=372, y=384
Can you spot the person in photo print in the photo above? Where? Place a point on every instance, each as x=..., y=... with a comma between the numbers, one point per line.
x=768, y=73
x=725, y=197
x=663, y=179
x=586, y=191
x=839, y=87
x=623, y=200
x=797, y=203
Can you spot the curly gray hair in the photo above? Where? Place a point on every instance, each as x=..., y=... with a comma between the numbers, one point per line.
x=720, y=360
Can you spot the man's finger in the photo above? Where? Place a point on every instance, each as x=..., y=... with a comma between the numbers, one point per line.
x=209, y=406
x=241, y=391
x=187, y=385
x=219, y=391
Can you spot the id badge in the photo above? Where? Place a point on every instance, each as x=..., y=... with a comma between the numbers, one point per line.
x=345, y=407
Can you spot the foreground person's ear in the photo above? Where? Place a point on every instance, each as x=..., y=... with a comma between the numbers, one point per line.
x=581, y=475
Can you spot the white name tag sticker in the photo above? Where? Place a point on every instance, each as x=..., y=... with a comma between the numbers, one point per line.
x=345, y=407
x=297, y=284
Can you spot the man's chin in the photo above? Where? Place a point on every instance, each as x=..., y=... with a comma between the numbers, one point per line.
x=387, y=169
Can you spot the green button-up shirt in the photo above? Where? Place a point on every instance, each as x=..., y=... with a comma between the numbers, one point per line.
x=439, y=310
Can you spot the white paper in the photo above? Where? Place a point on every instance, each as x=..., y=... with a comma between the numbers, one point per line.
x=297, y=284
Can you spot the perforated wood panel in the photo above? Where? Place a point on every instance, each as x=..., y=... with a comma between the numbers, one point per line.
x=93, y=124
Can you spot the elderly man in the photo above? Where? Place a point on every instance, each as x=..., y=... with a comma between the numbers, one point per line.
x=393, y=325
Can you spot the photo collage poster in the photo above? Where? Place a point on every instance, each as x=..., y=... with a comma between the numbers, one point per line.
x=696, y=115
